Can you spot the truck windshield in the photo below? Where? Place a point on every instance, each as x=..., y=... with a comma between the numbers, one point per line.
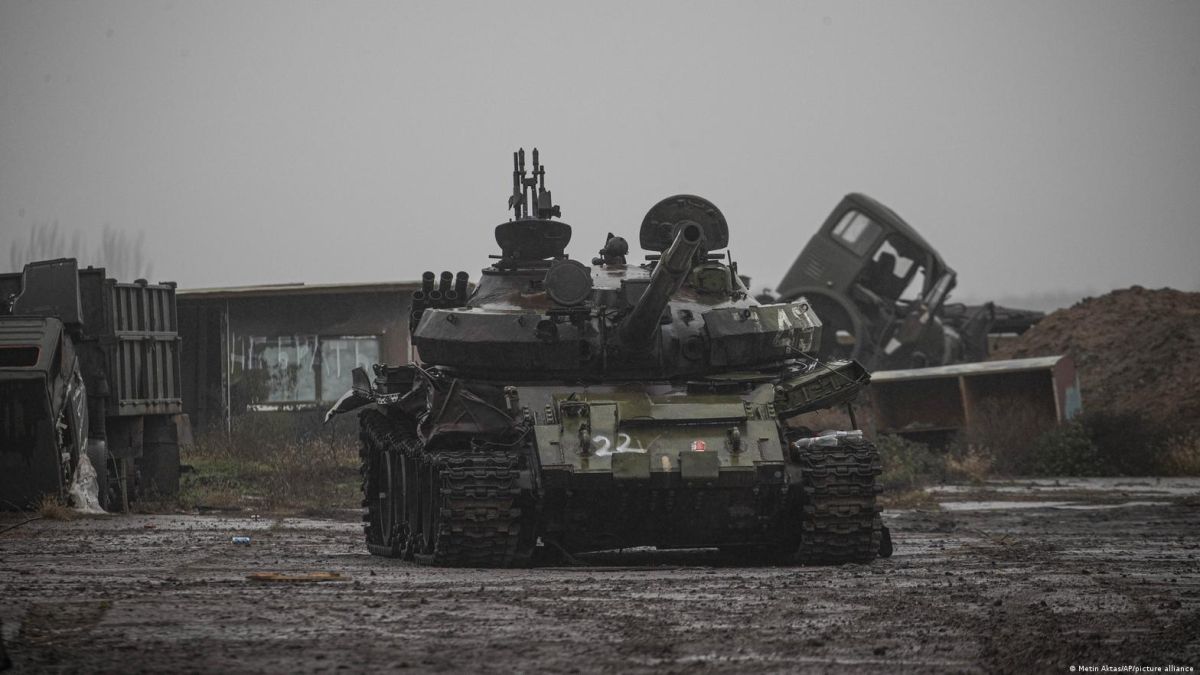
x=895, y=271
x=857, y=232
x=20, y=356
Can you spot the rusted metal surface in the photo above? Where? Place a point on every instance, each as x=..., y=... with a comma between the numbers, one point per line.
x=927, y=402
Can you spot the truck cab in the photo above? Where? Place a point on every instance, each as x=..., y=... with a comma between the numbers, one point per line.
x=878, y=286
x=43, y=408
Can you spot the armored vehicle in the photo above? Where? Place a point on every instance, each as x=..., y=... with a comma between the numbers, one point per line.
x=89, y=369
x=881, y=291
x=611, y=405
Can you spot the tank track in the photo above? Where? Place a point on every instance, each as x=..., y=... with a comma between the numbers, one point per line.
x=473, y=499
x=480, y=519
x=840, y=522
x=377, y=431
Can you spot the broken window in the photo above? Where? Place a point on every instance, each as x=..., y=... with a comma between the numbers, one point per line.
x=916, y=286
x=288, y=363
x=296, y=369
x=857, y=231
x=339, y=357
x=20, y=356
x=895, y=272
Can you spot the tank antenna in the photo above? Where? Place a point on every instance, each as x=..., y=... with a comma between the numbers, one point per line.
x=519, y=200
x=524, y=187
x=514, y=200
x=545, y=204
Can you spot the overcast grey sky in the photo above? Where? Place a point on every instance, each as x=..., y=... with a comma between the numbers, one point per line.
x=1040, y=146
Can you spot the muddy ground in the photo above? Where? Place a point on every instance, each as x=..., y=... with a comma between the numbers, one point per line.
x=1017, y=578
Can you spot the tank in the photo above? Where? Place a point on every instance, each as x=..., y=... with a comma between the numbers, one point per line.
x=555, y=406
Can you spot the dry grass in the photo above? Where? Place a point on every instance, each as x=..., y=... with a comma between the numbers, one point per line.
x=52, y=508
x=908, y=465
x=1004, y=443
x=1100, y=443
x=1003, y=433
x=271, y=465
x=971, y=464
x=1181, y=455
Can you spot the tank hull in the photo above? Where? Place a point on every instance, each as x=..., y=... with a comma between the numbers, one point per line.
x=613, y=466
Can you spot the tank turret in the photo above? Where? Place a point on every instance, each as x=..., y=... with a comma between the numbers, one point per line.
x=610, y=404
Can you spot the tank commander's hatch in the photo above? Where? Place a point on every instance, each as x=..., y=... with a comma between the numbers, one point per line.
x=658, y=227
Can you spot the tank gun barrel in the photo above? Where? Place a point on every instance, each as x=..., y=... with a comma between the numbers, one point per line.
x=638, y=326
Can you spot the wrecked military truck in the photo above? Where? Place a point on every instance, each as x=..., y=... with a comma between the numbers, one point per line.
x=881, y=291
x=591, y=407
x=89, y=375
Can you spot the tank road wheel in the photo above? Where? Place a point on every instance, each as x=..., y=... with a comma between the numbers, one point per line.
x=384, y=458
x=840, y=521
x=473, y=511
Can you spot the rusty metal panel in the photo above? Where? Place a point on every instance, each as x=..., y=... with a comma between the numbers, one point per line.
x=144, y=359
x=926, y=405
x=1043, y=363
x=1068, y=396
x=968, y=397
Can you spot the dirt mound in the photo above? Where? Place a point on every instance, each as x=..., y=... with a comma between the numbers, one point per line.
x=1136, y=350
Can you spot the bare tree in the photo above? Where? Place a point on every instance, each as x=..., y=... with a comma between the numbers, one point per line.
x=46, y=240
x=120, y=253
